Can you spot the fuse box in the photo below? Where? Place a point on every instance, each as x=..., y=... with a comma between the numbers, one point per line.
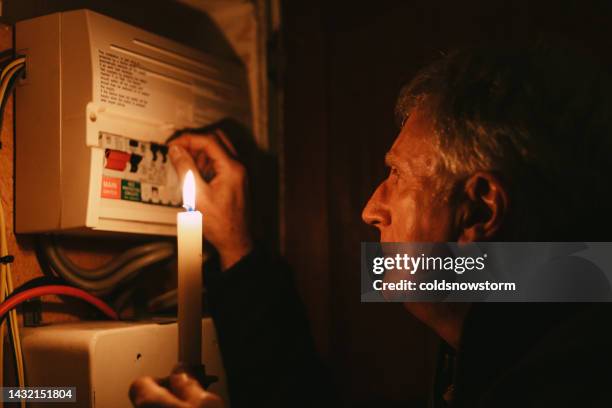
x=98, y=102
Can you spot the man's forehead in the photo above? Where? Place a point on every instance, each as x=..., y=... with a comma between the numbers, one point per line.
x=414, y=144
x=416, y=134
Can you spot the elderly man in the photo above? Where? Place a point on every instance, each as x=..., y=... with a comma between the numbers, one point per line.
x=495, y=145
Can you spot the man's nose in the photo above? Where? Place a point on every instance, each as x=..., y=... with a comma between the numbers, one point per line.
x=374, y=213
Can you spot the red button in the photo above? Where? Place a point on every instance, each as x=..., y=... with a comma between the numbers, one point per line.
x=116, y=160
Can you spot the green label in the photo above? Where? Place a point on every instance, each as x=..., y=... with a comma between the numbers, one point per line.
x=130, y=190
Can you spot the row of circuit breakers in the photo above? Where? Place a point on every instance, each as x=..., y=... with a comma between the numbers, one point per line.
x=138, y=171
x=108, y=95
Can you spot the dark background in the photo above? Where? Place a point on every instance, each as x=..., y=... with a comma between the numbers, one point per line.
x=345, y=63
x=342, y=65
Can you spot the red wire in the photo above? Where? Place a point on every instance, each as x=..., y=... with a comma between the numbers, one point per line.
x=21, y=297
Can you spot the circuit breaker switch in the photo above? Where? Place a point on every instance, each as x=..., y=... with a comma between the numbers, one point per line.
x=154, y=149
x=135, y=160
x=116, y=160
x=164, y=151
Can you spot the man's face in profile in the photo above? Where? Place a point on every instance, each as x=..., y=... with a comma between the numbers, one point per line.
x=412, y=203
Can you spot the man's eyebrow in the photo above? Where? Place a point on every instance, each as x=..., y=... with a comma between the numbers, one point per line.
x=393, y=160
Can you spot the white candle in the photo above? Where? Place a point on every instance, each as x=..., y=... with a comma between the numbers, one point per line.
x=189, y=239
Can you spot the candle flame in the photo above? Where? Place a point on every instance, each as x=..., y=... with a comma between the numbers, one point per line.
x=189, y=191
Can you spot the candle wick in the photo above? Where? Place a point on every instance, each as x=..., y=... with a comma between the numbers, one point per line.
x=187, y=207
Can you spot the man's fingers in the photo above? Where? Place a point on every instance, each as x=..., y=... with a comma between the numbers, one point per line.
x=188, y=389
x=146, y=393
x=183, y=162
x=185, y=387
x=209, y=166
x=225, y=140
x=206, y=143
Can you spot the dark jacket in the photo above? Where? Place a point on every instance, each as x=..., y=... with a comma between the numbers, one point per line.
x=511, y=355
x=529, y=355
x=265, y=340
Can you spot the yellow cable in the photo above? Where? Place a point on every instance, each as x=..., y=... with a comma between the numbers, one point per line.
x=3, y=250
x=15, y=330
x=2, y=326
x=14, y=321
x=11, y=65
x=4, y=83
x=6, y=79
x=6, y=282
x=7, y=288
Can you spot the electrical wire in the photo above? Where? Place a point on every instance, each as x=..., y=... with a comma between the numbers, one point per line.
x=37, y=282
x=7, y=54
x=15, y=62
x=106, y=285
x=6, y=288
x=16, y=338
x=33, y=283
x=6, y=90
x=13, y=322
x=2, y=291
x=7, y=76
x=9, y=304
x=7, y=83
x=111, y=267
x=2, y=330
x=165, y=301
x=8, y=79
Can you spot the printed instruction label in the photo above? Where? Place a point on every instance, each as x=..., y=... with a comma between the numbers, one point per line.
x=122, y=81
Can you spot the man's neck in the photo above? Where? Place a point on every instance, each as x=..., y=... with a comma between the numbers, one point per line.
x=446, y=319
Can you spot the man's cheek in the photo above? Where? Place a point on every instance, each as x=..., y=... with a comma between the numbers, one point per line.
x=403, y=227
x=433, y=220
x=386, y=235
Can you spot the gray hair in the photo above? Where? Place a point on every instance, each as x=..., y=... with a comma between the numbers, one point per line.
x=540, y=117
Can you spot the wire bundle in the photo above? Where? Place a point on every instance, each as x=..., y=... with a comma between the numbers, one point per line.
x=10, y=298
x=6, y=287
x=12, y=301
x=8, y=78
x=103, y=280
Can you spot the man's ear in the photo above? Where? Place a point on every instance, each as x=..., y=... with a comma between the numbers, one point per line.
x=484, y=208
